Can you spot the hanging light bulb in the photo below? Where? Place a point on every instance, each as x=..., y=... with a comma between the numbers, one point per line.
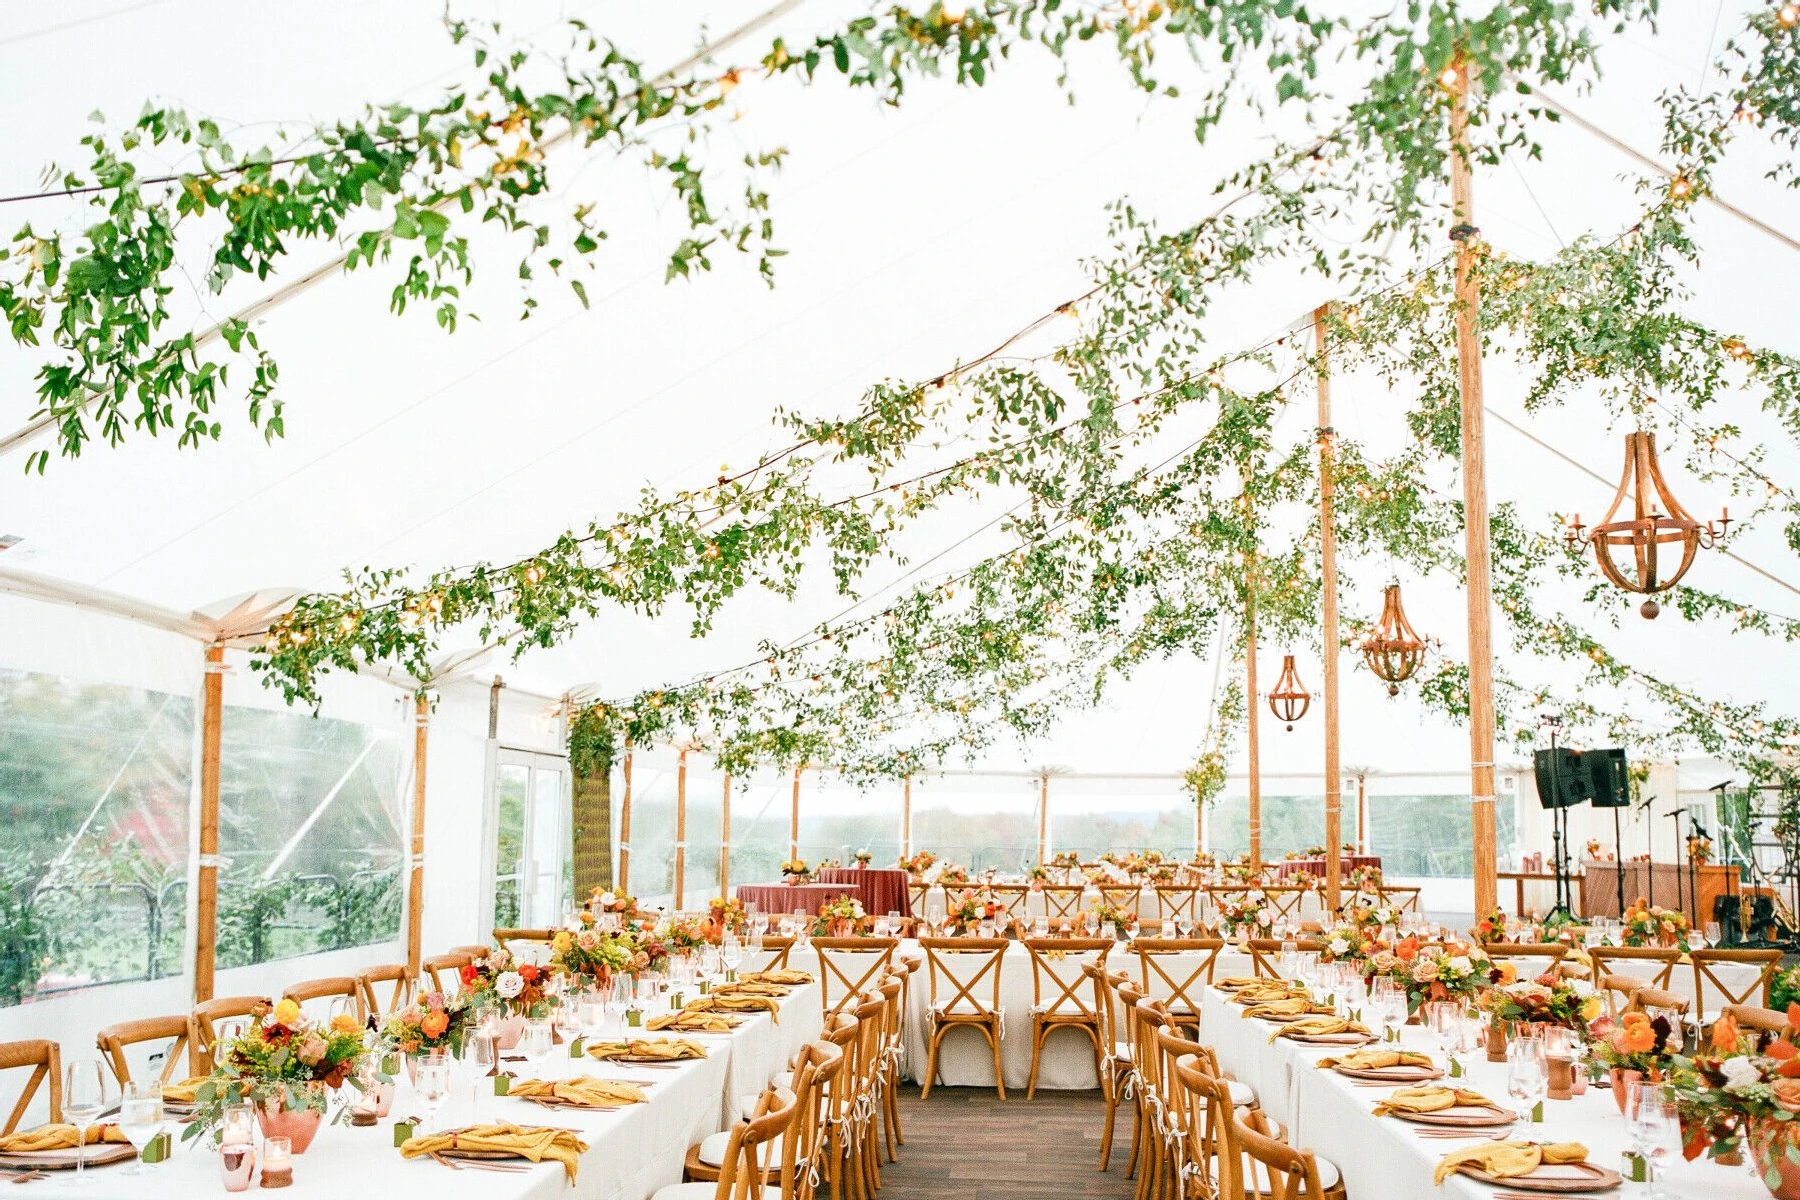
x=1290, y=699
x=1647, y=528
x=1394, y=650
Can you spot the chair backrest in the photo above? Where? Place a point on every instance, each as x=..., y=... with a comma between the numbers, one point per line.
x=917, y=893
x=1656, y=1000
x=1178, y=902
x=445, y=971
x=843, y=1031
x=827, y=1063
x=1212, y=1148
x=369, y=984
x=1530, y=958
x=1654, y=965
x=1011, y=897
x=1122, y=896
x=849, y=966
x=1724, y=977
x=45, y=1060
x=1061, y=900
x=1617, y=991
x=331, y=988
x=114, y=1040
x=964, y=974
x=1405, y=899
x=1265, y=954
x=474, y=952
x=1177, y=1111
x=504, y=936
x=203, y=1025
x=775, y=948
x=1174, y=969
x=1291, y=1174
x=1066, y=974
x=1750, y=1016
x=749, y=1150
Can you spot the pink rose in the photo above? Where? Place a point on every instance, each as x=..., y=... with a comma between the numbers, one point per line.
x=1424, y=971
x=311, y=1050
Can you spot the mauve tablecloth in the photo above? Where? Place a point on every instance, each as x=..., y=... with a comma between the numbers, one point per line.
x=785, y=898
x=882, y=890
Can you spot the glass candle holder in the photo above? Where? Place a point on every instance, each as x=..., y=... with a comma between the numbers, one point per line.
x=239, y=1128
x=237, y=1162
x=278, y=1163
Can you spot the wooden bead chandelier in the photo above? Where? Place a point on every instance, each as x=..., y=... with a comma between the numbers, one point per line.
x=1394, y=650
x=1657, y=520
x=1290, y=699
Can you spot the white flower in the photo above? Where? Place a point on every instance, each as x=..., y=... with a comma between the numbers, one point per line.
x=509, y=984
x=1739, y=1072
x=606, y=899
x=1461, y=964
x=1338, y=945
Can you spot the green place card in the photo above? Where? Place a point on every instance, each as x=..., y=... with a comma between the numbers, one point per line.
x=703, y=987
x=731, y=977
x=403, y=1132
x=158, y=1148
x=1456, y=1070
x=1634, y=1167
x=1537, y=1113
x=502, y=1084
x=633, y=1017
x=677, y=999
x=577, y=1047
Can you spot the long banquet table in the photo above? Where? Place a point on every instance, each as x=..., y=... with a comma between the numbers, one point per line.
x=631, y=1153
x=1383, y=1157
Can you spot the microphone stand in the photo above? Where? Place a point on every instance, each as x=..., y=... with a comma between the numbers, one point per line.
x=1680, y=905
x=1619, y=859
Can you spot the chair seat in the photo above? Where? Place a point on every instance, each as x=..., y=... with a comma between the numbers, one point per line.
x=1066, y=1012
x=704, y=1191
x=712, y=1149
x=1329, y=1176
x=963, y=1010
x=1242, y=1094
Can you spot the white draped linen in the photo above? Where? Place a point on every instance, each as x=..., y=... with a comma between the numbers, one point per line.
x=1384, y=1157
x=631, y=1153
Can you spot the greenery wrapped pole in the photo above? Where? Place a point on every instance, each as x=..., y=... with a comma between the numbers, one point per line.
x=1475, y=500
x=681, y=830
x=725, y=838
x=415, y=890
x=625, y=825
x=206, y=886
x=1043, y=855
x=1334, y=832
x=1252, y=733
x=794, y=816
x=906, y=818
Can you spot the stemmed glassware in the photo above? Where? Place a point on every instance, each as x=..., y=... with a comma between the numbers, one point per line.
x=1656, y=1129
x=434, y=1083
x=479, y=1058
x=536, y=1042
x=140, y=1118
x=1527, y=1074
x=731, y=953
x=85, y=1095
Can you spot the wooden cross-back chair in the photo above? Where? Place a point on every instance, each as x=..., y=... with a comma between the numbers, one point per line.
x=850, y=966
x=332, y=988
x=964, y=975
x=1066, y=994
x=917, y=892
x=474, y=952
x=1651, y=1001
x=1285, y=1173
x=1617, y=991
x=1265, y=954
x=761, y=1148
x=1287, y=900
x=706, y=1159
x=1751, y=1016
x=445, y=971
x=1174, y=969
x=1710, y=984
x=203, y=1024
x=400, y=989
x=1124, y=896
x=1116, y=1073
x=1652, y=965
x=775, y=951
x=1178, y=902
x=1062, y=900
x=45, y=1060
x=1406, y=899
x=115, y=1040
x=1011, y=897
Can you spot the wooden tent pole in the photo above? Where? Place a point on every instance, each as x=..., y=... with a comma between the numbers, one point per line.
x=725, y=839
x=1475, y=499
x=415, y=890
x=794, y=817
x=906, y=818
x=1254, y=748
x=1362, y=815
x=681, y=830
x=625, y=826
x=206, y=887
x=1334, y=831
x=1043, y=818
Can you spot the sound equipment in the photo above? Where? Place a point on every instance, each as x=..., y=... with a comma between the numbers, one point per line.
x=1561, y=781
x=1745, y=919
x=1609, y=782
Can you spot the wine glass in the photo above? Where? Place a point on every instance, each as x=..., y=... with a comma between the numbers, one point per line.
x=434, y=1084
x=140, y=1118
x=479, y=1059
x=85, y=1095
x=1656, y=1129
x=536, y=1042
x=1527, y=1077
x=731, y=953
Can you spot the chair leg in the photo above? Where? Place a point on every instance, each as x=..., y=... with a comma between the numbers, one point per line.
x=1040, y=1033
x=891, y=1111
x=1110, y=1089
x=1137, y=1140
x=993, y=1037
x=931, y=1058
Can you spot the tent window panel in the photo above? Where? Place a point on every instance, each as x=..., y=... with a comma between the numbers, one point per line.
x=1430, y=836
x=1093, y=816
x=977, y=822
x=311, y=827
x=95, y=782
x=510, y=786
x=837, y=820
x=759, y=828
x=1289, y=824
x=653, y=833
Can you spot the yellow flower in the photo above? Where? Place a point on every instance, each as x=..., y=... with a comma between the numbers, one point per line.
x=345, y=1023
x=1590, y=1008
x=287, y=1013
x=561, y=941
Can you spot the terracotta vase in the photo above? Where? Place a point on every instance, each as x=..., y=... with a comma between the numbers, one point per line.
x=1496, y=1042
x=1775, y=1146
x=511, y=1030
x=298, y=1127
x=1621, y=1079
x=1560, y=1078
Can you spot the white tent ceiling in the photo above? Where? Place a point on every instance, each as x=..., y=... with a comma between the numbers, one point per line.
x=915, y=236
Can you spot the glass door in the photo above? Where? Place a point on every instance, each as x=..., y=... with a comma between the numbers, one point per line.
x=531, y=842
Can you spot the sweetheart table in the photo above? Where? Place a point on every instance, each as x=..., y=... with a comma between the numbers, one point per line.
x=631, y=1152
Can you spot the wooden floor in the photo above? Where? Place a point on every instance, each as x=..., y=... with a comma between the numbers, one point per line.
x=963, y=1144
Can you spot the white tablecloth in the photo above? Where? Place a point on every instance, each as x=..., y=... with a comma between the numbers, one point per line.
x=1736, y=976
x=1384, y=1157
x=631, y=1153
x=1148, y=904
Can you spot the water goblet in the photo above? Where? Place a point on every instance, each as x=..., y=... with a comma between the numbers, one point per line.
x=433, y=1083
x=536, y=1041
x=1526, y=1076
x=85, y=1095
x=140, y=1118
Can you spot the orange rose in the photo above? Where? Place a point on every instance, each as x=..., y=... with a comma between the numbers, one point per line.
x=1407, y=950
x=1725, y=1033
x=1635, y=1034
x=434, y=1024
x=1509, y=972
x=1787, y=1094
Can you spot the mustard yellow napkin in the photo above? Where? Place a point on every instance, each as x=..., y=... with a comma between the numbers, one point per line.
x=59, y=1137
x=692, y=1022
x=1232, y=982
x=534, y=1143
x=1318, y=1027
x=1509, y=1160
x=185, y=1092
x=586, y=1091
x=788, y=975
x=670, y=1049
x=1293, y=1006
x=1262, y=993
x=751, y=987
x=715, y=1003
x=1377, y=1060
x=1428, y=1099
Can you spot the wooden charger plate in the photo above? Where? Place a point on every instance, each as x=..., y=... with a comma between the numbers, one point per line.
x=1334, y=1039
x=1406, y=1074
x=1484, y=1116
x=98, y=1155
x=649, y=1060
x=1553, y=1177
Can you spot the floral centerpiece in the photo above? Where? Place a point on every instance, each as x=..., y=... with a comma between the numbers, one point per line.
x=1447, y=972
x=968, y=909
x=1369, y=916
x=1633, y=1047
x=432, y=1022
x=1037, y=876
x=795, y=870
x=605, y=902
x=726, y=914
x=1245, y=912
x=953, y=873
x=1366, y=878
x=1744, y=1087
x=1653, y=925
x=1699, y=848
x=588, y=954
x=1491, y=928
x=1068, y=860
x=516, y=987
x=863, y=858
x=1596, y=852
x=1105, y=912
x=918, y=864
x=283, y=1064
x=649, y=952
x=842, y=917
x=685, y=935
x=1353, y=943
x=1546, y=1000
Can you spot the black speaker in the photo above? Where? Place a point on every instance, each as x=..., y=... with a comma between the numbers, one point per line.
x=1609, y=783
x=1561, y=782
